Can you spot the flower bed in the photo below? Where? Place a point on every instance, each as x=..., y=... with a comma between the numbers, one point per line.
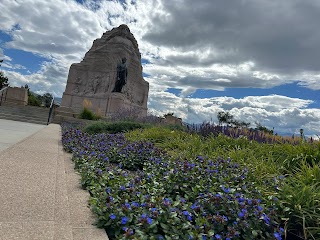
x=139, y=192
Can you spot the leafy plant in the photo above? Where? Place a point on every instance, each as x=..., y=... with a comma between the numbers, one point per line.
x=87, y=114
x=112, y=127
x=143, y=184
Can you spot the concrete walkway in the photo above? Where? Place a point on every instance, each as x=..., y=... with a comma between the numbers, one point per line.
x=12, y=132
x=40, y=195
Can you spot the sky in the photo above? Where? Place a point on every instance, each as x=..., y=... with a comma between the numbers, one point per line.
x=259, y=60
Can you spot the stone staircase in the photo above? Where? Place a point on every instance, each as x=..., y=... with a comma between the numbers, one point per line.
x=31, y=114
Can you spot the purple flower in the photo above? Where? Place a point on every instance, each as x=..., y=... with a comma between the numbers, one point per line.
x=124, y=220
x=113, y=216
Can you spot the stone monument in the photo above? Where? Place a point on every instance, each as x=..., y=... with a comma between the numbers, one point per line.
x=109, y=76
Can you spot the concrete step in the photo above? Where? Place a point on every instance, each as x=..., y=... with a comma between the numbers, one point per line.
x=24, y=109
x=29, y=114
x=20, y=119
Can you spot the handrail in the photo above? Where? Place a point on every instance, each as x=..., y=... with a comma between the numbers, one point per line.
x=51, y=109
x=2, y=91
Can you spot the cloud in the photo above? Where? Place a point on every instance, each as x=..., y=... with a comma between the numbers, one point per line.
x=186, y=45
x=286, y=115
x=279, y=38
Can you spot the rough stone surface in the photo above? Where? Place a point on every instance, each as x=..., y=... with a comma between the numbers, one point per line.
x=95, y=76
x=15, y=95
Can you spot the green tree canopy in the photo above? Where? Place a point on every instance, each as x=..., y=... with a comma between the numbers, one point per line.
x=3, y=79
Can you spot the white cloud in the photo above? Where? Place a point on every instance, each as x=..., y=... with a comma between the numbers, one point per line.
x=213, y=45
x=286, y=115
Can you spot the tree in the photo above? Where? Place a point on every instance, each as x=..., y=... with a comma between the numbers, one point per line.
x=3, y=79
x=46, y=99
x=259, y=127
x=226, y=117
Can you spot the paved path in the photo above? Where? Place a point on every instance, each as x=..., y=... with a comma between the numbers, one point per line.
x=40, y=195
x=12, y=132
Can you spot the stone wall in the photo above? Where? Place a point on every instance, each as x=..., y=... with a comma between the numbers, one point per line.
x=16, y=95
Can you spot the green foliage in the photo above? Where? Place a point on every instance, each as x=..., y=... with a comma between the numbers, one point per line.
x=300, y=193
x=46, y=99
x=300, y=200
x=226, y=117
x=259, y=127
x=3, y=79
x=87, y=114
x=284, y=177
x=113, y=127
x=161, y=199
x=33, y=100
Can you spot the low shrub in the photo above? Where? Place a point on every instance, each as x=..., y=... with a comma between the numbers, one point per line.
x=112, y=127
x=87, y=114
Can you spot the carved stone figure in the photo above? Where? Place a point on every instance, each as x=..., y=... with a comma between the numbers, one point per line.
x=122, y=73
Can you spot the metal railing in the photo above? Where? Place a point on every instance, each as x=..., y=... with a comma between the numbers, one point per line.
x=51, y=110
x=2, y=92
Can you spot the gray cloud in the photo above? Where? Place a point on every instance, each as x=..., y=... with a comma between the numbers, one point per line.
x=207, y=44
x=278, y=35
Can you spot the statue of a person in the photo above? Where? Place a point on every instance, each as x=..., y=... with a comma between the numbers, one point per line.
x=122, y=73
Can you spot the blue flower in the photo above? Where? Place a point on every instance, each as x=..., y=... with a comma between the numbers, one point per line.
x=127, y=205
x=135, y=204
x=122, y=188
x=265, y=218
x=241, y=214
x=124, y=220
x=217, y=236
x=186, y=213
x=149, y=220
x=113, y=216
x=277, y=236
x=226, y=190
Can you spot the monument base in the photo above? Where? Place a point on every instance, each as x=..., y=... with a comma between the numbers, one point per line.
x=105, y=106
